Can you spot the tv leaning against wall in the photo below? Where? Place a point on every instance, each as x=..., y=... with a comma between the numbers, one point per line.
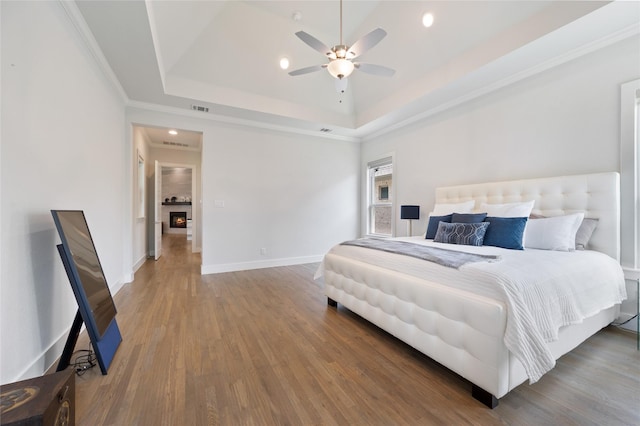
x=86, y=276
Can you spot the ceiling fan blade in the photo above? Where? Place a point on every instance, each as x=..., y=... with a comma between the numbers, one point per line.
x=307, y=70
x=314, y=43
x=366, y=43
x=375, y=69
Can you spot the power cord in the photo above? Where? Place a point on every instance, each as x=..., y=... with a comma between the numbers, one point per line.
x=85, y=360
x=618, y=324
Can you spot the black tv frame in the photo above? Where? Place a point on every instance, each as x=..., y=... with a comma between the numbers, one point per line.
x=105, y=342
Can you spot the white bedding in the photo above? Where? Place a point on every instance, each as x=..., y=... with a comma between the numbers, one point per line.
x=542, y=289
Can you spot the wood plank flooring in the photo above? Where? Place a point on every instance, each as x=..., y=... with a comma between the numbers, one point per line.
x=262, y=347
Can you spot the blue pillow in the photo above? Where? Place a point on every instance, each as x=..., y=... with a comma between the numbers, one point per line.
x=505, y=232
x=468, y=217
x=470, y=234
x=432, y=228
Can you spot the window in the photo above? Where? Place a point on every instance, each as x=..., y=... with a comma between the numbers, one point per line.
x=384, y=193
x=380, y=199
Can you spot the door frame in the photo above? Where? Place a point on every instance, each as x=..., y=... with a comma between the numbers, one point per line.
x=194, y=197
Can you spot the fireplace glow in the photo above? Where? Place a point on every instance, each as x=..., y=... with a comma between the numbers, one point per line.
x=177, y=219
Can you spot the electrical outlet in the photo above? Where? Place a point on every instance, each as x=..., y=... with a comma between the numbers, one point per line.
x=218, y=203
x=263, y=251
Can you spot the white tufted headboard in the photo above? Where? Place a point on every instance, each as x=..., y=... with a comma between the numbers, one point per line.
x=597, y=195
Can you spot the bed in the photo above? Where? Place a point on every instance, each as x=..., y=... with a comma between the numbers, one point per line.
x=471, y=318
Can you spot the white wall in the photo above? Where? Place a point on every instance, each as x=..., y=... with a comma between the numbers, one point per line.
x=62, y=148
x=561, y=122
x=294, y=196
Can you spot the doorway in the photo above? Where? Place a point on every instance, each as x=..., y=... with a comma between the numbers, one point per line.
x=155, y=148
x=175, y=199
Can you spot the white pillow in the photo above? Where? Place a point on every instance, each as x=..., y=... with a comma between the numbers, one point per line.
x=444, y=209
x=553, y=233
x=522, y=209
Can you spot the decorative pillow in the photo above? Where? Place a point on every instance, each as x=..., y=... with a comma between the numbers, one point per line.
x=553, y=233
x=443, y=209
x=505, y=232
x=468, y=217
x=471, y=234
x=522, y=209
x=584, y=233
x=432, y=228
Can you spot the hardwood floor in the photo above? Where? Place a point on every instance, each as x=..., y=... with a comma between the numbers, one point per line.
x=262, y=347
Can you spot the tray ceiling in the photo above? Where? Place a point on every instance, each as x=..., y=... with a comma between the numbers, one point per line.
x=224, y=55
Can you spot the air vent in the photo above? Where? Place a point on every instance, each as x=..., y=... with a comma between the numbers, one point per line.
x=325, y=130
x=200, y=108
x=180, y=144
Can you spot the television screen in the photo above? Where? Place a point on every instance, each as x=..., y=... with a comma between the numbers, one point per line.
x=80, y=250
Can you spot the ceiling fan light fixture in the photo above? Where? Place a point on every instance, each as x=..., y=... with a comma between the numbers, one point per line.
x=340, y=68
x=284, y=63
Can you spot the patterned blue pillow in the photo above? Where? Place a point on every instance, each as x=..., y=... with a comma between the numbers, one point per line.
x=470, y=234
x=432, y=228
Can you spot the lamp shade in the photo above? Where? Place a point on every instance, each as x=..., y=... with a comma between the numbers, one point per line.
x=340, y=68
x=409, y=212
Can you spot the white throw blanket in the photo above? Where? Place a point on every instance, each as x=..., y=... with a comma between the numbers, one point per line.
x=543, y=290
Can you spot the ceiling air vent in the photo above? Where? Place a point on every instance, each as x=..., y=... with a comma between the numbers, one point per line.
x=183, y=145
x=325, y=130
x=200, y=108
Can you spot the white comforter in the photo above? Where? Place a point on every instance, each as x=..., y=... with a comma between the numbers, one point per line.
x=542, y=289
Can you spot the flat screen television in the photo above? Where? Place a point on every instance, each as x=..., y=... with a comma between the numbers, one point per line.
x=95, y=303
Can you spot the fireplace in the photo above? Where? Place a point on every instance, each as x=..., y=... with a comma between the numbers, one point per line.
x=177, y=219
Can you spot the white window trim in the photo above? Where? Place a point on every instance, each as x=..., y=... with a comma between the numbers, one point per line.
x=629, y=175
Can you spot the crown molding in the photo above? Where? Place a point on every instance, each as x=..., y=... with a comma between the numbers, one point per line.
x=86, y=36
x=593, y=46
x=237, y=121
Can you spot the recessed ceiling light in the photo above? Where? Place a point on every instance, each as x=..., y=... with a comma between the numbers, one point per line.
x=284, y=63
x=427, y=19
x=173, y=132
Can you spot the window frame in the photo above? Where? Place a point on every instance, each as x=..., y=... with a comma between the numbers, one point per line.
x=371, y=198
x=630, y=175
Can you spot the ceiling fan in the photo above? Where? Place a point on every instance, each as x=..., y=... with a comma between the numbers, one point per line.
x=341, y=56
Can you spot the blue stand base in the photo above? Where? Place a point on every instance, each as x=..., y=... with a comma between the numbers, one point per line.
x=106, y=347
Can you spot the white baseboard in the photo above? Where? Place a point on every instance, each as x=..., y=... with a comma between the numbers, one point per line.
x=139, y=263
x=631, y=273
x=47, y=359
x=260, y=264
x=629, y=307
x=118, y=285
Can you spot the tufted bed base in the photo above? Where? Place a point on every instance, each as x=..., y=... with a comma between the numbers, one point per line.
x=461, y=330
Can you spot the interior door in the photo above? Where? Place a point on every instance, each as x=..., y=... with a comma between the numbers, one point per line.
x=157, y=202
